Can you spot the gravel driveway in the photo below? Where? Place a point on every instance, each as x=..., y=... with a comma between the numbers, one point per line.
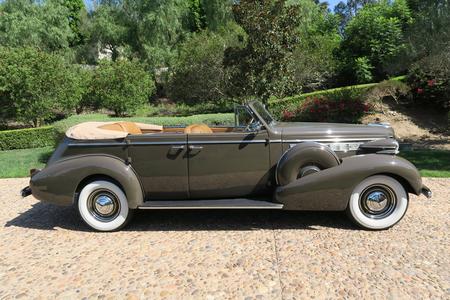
x=47, y=251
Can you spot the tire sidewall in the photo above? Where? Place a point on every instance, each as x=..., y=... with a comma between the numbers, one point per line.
x=400, y=209
x=90, y=220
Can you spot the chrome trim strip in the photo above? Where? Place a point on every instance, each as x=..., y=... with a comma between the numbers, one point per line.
x=212, y=207
x=336, y=140
x=157, y=143
x=96, y=144
x=228, y=142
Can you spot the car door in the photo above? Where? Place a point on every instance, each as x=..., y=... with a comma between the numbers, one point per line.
x=161, y=163
x=227, y=165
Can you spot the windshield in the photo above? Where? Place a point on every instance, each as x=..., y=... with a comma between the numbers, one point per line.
x=259, y=108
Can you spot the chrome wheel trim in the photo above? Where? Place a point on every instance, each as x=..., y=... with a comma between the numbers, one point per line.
x=103, y=205
x=377, y=201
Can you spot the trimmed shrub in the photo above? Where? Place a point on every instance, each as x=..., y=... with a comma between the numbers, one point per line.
x=27, y=138
x=121, y=86
x=35, y=86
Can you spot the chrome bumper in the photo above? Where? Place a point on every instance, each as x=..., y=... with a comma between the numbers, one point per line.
x=427, y=192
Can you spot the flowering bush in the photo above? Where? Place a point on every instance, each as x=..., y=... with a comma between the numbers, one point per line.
x=323, y=109
x=430, y=87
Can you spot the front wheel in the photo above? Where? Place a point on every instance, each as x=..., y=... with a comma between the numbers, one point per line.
x=378, y=202
x=103, y=206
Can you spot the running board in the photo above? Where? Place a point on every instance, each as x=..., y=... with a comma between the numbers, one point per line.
x=211, y=204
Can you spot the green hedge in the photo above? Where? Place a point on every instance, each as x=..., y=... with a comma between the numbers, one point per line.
x=27, y=138
x=277, y=106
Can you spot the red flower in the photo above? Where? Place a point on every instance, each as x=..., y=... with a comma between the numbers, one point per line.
x=287, y=115
x=430, y=82
x=311, y=110
x=366, y=108
x=419, y=91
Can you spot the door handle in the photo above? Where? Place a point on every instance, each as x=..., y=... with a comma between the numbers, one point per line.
x=192, y=147
x=177, y=147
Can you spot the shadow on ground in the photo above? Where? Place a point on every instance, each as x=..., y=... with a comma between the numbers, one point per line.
x=49, y=217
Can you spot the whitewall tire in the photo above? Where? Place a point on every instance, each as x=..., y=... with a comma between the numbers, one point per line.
x=103, y=206
x=378, y=202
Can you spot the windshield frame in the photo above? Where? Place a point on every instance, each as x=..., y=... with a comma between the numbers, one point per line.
x=267, y=119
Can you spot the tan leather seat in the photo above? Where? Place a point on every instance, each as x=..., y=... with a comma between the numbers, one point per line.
x=198, y=128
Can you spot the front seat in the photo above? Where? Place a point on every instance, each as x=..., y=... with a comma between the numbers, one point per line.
x=198, y=128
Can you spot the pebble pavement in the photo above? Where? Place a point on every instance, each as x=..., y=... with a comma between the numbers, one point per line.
x=47, y=252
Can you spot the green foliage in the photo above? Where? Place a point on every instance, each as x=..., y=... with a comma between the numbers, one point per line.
x=35, y=86
x=27, y=138
x=277, y=106
x=17, y=163
x=76, y=10
x=343, y=106
x=25, y=23
x=199, y=74
x=260, y=68
x=183, y=109
x=312, y=62
x=217, y=13
x=336, y=110
x=121, y=86
x=376, y=32
x=363, y=70
x=429, y=75
x=430, y=80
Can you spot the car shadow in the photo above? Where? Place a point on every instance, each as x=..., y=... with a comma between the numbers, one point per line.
x=45, y=216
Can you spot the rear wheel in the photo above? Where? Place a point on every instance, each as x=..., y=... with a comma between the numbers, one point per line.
x=103, y=206
x=378, y=202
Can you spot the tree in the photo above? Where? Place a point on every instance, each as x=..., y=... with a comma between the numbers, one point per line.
x=260, y=68
x=347, y=10
x=121, y=86
x=313, y=63
x=35, y=85
x=42, y=25
x=218, y=13
x=76, y=12
x=199, y=74
x=376, y=33
x=108, y=28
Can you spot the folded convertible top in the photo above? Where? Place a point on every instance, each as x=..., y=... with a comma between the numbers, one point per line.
x=108, y=130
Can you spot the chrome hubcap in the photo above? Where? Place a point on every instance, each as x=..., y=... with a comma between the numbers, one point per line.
x=104, y=205
x=377, y=201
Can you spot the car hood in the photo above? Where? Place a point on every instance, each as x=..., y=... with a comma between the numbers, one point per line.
x=327, y=131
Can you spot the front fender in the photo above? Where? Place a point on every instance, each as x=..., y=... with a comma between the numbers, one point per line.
x=58, y=182
x=331, y=189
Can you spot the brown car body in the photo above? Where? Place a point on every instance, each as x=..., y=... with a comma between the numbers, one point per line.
x=259, y=164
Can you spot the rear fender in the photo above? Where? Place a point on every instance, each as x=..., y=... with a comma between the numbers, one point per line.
x=331, y=189
x=58, y=182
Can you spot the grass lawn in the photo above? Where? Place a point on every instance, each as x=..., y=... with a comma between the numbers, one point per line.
x=431, y=163
x=17, y=163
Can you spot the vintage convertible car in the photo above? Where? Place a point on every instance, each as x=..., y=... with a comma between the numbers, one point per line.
x=107, y=170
